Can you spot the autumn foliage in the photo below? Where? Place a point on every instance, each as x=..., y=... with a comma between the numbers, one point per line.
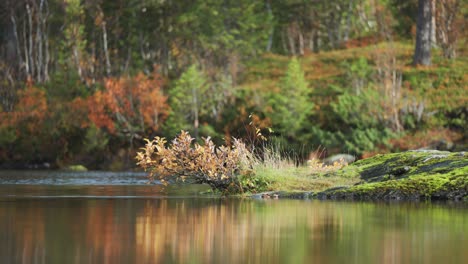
x=30, y=110
x=216, y=166
x=129, y=105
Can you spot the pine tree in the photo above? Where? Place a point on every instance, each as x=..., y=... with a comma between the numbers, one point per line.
x=291, y=104
x=187, y=99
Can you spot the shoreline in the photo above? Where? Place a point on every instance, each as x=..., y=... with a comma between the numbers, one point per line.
x=421, y=175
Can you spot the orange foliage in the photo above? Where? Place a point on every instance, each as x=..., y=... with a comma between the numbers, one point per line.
x=79, y=109
x=98, y=114
x=425, y=139
x=129, y=103
x=364, y=41
x=30, y=110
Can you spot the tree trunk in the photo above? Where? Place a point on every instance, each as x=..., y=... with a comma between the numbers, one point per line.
x=348, y=21
x=39, y=42
x=106, y=51
x=17, y=42
x=422, y=51
x=330, y=30
x=270, y=36
x=26, y=53
x=434, y=24
x=292, y=44
x=316, y=41
x=30, y=38
x=283, y=42
x=195, y=112
x=31, y=41
x=46, y=42
x=301, y=43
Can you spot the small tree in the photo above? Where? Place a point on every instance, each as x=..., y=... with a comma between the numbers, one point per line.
x=291, y=104
x=187, y=98
x=28, y=117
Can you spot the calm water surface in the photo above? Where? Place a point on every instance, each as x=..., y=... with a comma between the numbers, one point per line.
x=126, y=221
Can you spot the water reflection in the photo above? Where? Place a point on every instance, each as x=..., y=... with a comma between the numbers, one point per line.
x=198, y=230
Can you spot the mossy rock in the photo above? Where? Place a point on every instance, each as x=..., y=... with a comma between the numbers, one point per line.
x=411, y=175
x=77, y=168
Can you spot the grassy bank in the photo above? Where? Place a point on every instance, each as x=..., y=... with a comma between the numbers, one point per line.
x=290, y=178
x=412, y=175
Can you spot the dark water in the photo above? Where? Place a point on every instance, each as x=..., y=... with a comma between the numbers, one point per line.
x=136, y=223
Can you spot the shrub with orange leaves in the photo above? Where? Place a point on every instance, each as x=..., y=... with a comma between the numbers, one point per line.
x=30, y=110
x=22, y=130
x=129, y=106
x=215, y=166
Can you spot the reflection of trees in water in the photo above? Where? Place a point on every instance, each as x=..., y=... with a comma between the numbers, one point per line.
x=238, y=231
x=225, y=230
x=28, y=238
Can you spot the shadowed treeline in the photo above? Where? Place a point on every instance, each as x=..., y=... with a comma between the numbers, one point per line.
x=86, y=81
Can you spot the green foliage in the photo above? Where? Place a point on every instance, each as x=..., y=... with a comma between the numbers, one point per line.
x=405, y=12
x=359, y=111
x=188, y=100
x=359, y=74
x=254, y=183
x=95, y=139
x=362, y=116
x=369, y=139
x=71, y=47
x=291, y=105
x=65, y=86
x=224, y=27
x=7, y=136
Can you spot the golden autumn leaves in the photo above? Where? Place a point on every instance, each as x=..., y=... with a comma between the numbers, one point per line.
x=216, y=166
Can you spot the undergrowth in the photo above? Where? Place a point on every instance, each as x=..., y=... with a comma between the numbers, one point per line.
x=233, y=169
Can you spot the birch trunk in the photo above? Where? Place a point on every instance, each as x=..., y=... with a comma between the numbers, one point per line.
x=422, y=51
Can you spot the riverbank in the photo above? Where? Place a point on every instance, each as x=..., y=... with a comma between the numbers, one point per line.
x=406, y=176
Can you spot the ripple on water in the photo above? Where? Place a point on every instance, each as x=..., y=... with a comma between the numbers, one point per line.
x=73, y=178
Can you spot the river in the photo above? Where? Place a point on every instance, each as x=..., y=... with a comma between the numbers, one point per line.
x=98, y=217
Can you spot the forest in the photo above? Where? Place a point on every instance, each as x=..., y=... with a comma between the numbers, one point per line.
x=86, y=81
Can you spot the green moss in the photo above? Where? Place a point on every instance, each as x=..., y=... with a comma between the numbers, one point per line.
x=76, y=168
x=410, y=163
x=421, y=175
x=410, y=175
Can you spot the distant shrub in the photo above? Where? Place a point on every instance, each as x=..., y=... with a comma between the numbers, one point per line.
x=365, y=121
x=129, y=106
x=318, y=166
x=218, y=167
x=359, y=74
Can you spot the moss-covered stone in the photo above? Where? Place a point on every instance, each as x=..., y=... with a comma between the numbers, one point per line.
x=77, y=168
x=411, y=175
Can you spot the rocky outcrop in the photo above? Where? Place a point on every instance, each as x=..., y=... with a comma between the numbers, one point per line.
x=339, y=158
x=411, y=175
x=407, y=176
